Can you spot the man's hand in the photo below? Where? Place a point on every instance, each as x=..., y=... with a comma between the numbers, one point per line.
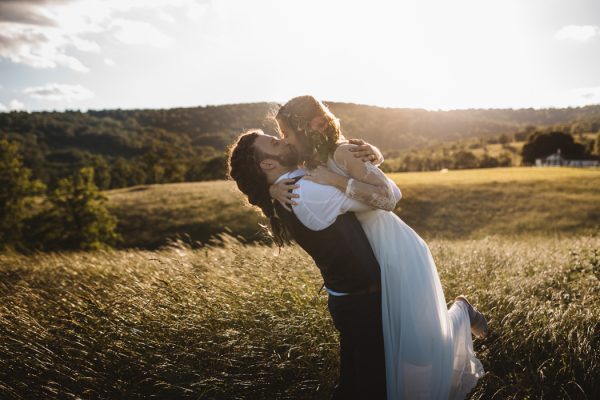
x=366, y=152
x=281, y=192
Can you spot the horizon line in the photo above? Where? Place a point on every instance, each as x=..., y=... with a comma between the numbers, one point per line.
x=85, y=110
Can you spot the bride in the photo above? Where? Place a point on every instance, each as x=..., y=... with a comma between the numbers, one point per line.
x=428, y=348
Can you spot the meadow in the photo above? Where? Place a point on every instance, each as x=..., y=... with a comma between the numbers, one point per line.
x=459, y=204
x=233, y=318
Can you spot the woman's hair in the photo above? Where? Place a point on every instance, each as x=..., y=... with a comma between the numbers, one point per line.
x=296, y=115
x=243, y=167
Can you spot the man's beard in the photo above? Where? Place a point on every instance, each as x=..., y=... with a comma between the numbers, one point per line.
x=291, y=158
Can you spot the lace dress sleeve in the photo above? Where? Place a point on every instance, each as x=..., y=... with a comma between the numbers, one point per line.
x=367, y=184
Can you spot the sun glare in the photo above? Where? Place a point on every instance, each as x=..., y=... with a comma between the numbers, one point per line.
x=429, y=54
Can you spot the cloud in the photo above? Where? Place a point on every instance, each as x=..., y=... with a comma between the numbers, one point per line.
x=166, y=17
x=591, y=94
x=40, y=47
x=43, y=33
x=582, y=96
x=137, y=32
x=27, y=12
x=3, y=108
x=85, y=45
x=109, y=61
x=59, y=92
x=580, y=33
x=16, y=105
x=196, y=10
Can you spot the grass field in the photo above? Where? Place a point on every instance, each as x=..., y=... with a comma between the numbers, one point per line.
x=454, y=205
x=244, y=321
x=247, y=322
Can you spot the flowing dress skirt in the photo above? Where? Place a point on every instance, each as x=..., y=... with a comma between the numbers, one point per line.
x=428, y=348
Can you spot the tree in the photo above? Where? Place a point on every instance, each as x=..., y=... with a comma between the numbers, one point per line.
x=597, y=146
x=487, y=161
x=101, y=171
x=464, y=159
x=78, y=215
x=522, y=135
x=15, y=196
x=503, y=139
x=126, y=173
x=541, y=145
x=504, y=159
x=215, y=168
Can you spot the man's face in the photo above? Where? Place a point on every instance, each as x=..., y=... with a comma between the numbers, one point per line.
x=274, y=148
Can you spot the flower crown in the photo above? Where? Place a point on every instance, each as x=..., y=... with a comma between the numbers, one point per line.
x=321, y=143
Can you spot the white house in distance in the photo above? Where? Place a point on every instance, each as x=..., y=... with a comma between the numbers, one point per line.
x=556, y=160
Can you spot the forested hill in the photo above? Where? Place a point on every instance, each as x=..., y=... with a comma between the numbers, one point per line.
x=125, y=131
x=398, y=128
x=389, y=128
x=128, y=147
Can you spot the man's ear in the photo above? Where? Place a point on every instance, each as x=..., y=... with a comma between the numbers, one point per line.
x=318, y=123
x=267, y=164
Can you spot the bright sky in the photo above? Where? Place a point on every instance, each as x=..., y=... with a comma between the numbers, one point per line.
x=434, y=54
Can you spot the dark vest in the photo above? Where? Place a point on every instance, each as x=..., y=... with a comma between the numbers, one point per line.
x=341, y=251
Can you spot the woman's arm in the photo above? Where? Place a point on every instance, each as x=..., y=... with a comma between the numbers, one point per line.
x=366, y=183
x=282, y=191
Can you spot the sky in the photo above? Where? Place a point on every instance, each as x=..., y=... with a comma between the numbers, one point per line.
x=432, y=54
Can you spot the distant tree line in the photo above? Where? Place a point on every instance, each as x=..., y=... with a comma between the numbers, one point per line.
x=458, y=159
x=121, y=151
x=395, y=128
x=539, y=143
x=134, y=147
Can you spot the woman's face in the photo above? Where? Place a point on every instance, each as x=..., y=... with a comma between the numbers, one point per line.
x=289, y=136
x=300, y=142
x=292, y=139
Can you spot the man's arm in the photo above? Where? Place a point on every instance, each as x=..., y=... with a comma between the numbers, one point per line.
x=319, y=205
x=363, y=151
x=366, y=152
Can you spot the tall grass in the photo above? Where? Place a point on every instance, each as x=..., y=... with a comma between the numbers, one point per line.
x=247, y=322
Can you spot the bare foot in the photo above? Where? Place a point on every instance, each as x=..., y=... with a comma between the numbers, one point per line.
x=479, y=325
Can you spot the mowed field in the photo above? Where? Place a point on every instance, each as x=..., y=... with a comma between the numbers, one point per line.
x=241, y=320
x=461, y=204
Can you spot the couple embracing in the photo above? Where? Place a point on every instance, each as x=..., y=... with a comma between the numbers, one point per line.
x=398, y=339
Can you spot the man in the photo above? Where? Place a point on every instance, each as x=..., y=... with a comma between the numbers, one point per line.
x=324, y=225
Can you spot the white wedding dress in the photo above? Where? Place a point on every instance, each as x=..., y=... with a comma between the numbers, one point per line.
x=428, y=348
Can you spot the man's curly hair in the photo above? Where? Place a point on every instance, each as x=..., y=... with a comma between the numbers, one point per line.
x=243, y=167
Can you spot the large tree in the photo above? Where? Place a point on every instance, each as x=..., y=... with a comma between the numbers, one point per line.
x=17, y=187
x=541, y=145
x=78, y=216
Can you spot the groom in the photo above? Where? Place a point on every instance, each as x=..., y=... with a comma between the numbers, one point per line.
x=324, y=225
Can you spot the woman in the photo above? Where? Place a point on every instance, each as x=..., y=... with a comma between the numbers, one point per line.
x=428, y=348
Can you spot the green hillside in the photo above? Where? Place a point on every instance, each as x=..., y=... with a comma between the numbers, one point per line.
x=453, y=205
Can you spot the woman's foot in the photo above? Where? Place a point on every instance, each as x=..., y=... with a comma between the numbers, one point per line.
x=479, y=325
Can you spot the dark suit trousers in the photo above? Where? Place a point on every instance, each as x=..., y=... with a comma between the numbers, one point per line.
x=362, y=360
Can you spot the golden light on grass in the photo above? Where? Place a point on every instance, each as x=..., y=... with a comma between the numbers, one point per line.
x=459, y=204
x=248, y=322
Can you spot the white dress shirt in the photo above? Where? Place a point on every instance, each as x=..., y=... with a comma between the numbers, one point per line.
x=319, y=205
